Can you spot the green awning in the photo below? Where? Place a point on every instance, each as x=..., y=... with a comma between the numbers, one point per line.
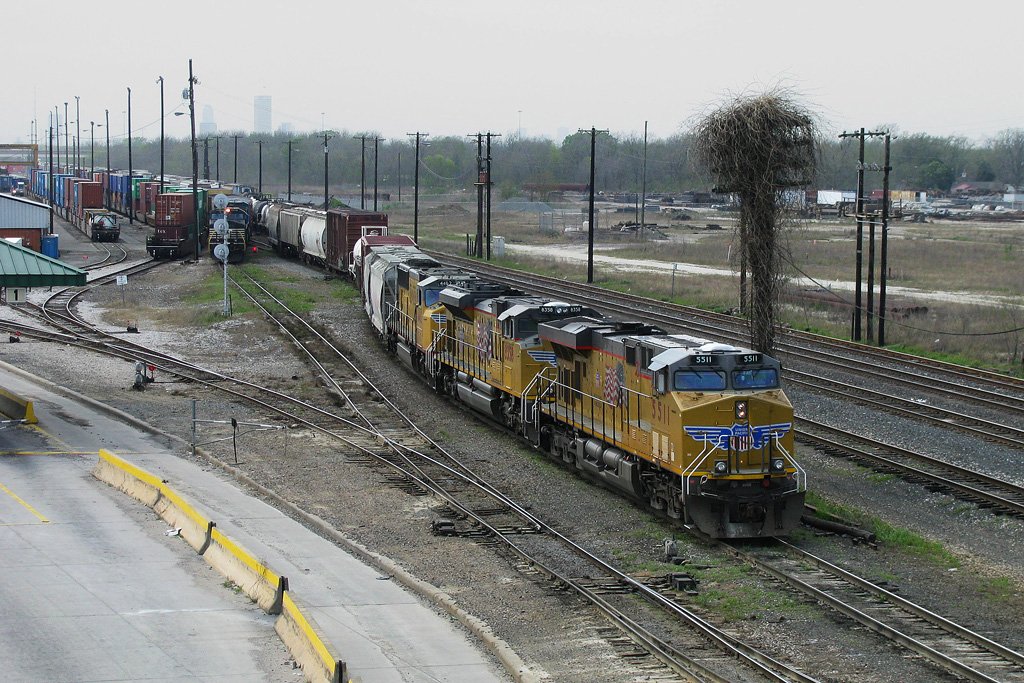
x=22, y=267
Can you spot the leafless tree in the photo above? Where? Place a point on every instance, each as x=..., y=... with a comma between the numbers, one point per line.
x=1009, y=148
x=756, y=147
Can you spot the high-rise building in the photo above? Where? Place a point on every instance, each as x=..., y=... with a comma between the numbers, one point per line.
x=207, y=126
x=261, y=114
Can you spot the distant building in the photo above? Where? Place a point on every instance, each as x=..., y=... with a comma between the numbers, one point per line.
x=207, y=126
x=261, y=114
x=286, y=128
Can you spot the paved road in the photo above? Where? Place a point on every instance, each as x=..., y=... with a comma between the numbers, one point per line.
x=92, y=589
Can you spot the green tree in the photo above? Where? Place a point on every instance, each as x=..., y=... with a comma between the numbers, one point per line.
x=935, y=175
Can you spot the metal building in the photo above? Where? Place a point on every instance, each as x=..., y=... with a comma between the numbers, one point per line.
x=18, y=212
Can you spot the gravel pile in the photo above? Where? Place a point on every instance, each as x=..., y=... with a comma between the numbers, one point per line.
x=552, y=631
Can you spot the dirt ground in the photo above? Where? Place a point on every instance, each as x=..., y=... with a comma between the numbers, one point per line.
x=557, y=636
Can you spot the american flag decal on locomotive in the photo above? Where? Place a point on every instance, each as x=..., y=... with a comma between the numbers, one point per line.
x=439, y=318
x=614, y=379
x=739, y=437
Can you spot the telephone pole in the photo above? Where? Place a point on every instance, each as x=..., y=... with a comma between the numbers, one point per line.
x=884, y=266
x=416, y=188
x=216, y=168
x=260, y=143
x=362, y=169
x=855, y=334
x=478, y=248
x=590, y=232
x=236, y=157
x=488, y=183
x=327, y=197
x=376, y=140
x=131, y=198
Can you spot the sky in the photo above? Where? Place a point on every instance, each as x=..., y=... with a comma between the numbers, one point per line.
x=536, y=68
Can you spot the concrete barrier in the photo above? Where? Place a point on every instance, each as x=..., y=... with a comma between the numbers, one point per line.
x=257, y=580
x=16, y=407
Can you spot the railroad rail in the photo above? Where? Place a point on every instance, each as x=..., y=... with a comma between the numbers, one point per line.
x=957, y=383
x=955, y=648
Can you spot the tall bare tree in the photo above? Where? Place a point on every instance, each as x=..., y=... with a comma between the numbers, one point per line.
x=756, y=147
x=1008, y=146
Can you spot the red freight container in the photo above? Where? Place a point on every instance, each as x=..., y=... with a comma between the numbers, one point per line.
x=90, y=196
x=31, y=238
x=174, y=209
x=344, y=228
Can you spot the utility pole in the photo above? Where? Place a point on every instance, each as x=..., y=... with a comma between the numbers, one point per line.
x=50, y=145
x=885, y=243
x=643, y=187
x=478, y=249
x=290, y=170
x=590, y=232
x=216, y=168
x=161, y=81
x=375, y=148
x=78, y=137
x=206, y=158
x=855, y=334
x=362, y=170
x=67, y=144
x=327, y=197
x=131, y=199
x=399, y=176
x=488, y=183
x=260, y=144
x=106, y=192
x=236, y=157
x=192, y=80
x=416, y=188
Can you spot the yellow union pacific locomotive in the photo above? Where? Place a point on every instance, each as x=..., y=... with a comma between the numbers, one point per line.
x=700, y=430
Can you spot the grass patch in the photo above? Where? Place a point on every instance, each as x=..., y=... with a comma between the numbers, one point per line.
x=908, y=541
x=999, y=588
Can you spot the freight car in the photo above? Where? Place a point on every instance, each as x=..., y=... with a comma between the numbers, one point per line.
x=323, y=238
x=699, y=430
x=174, y=226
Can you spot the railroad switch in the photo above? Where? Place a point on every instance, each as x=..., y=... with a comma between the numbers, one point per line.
x=443, y=527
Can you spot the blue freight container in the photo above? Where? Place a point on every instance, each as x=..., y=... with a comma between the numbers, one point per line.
x=49, y=246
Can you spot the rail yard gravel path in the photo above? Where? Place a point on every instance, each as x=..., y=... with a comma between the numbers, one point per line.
x=981, y=588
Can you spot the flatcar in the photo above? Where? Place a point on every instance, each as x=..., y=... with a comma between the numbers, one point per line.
x=699, y=430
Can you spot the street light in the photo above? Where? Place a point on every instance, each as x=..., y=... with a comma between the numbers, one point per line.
x=92, y=146
x=78, y=140
x=160, y=80
x=67, y=144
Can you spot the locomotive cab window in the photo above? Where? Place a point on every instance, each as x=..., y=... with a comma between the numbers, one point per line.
x=690, y=379
x=757, y=378
x=430, y=297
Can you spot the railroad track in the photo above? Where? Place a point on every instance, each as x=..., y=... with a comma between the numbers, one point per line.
x=987, y=492
x=965, y=654
x=477, y=509
x=480, y=511
x=490, y=517
x=957, y=384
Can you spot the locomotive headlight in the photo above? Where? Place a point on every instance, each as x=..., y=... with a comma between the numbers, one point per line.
x=778, y=465
x=721, y=467
x=741, y=410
